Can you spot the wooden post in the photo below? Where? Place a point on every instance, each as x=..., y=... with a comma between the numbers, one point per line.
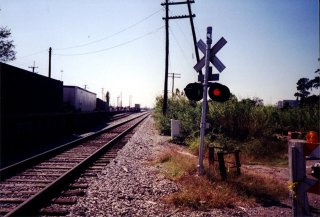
x=297, y=172
x=238, y=164
x=211, y=156
x=222, y=166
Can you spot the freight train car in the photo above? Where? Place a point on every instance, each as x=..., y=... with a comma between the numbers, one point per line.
x=79, y=99
x=23, y=92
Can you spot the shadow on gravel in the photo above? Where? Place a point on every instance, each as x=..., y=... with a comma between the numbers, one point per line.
x=266, y=201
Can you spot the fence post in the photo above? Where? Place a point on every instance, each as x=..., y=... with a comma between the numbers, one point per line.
x=297, y=171
x=222, y=166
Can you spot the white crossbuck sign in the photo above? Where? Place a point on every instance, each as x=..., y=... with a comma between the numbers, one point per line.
x=213, y=59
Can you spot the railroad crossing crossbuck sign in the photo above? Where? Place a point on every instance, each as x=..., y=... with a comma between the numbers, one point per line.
x=212, y=58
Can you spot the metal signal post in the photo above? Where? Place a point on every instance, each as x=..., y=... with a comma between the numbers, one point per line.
x=204, y=102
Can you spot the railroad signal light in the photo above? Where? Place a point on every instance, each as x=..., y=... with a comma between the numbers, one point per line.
x=219, y=92
x=194, y=91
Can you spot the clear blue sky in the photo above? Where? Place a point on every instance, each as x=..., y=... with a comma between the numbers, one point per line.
x=119, y=45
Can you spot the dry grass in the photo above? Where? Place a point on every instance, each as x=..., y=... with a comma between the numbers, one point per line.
x=176, y=164
x=208, y=191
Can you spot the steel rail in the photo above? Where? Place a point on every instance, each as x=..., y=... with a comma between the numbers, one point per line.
x=14, y=168
x=31, y=206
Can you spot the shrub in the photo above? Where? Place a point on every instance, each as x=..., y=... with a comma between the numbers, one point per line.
x=234, y=122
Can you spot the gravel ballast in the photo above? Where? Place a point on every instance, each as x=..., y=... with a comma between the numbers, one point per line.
x=131, y=186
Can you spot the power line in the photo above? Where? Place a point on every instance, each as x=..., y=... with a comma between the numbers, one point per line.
x=182, y=51
x=93, y=42
x=112, y=35
x=109, y=48
x=32, y=54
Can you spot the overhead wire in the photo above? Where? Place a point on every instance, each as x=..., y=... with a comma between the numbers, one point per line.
x=96, y=41
x=115, y=46
x=112, y=35
x=182, y=51
x=32, y=54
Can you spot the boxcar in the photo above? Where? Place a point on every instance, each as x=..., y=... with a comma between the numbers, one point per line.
x=79, y=99
x=23, y=92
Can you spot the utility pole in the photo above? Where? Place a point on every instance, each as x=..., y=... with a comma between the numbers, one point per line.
x=61, y=74
x=165, y=94
x=167, y=18
x=130, y=101
x=102, y=93
x=50, y=51
x=173, y=76
x=33, y=67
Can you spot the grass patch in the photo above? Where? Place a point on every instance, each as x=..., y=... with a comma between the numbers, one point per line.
x=176, y=164
x=208, y=191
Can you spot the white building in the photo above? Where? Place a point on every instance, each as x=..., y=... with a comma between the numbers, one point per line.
x=290, y=103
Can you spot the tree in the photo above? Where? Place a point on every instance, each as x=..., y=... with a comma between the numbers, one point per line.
x=303, y=85
x=7, y=52
x=315, y=83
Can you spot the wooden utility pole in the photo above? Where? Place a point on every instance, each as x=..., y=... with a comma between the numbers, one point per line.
x=173, y=76
x=33, y=67
x=166, y=18
x=50, y=51
x=165, y=94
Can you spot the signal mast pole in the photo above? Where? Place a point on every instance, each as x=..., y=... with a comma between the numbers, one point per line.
x=204, y=102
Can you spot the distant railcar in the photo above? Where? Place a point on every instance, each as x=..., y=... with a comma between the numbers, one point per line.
x=137, y=107
x=101, y=105
x=79, y=99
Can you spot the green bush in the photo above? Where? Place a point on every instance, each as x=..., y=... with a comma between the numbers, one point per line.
x=234, y=122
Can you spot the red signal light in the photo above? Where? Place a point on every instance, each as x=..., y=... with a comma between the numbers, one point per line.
x=219, y=92
x=216, y=92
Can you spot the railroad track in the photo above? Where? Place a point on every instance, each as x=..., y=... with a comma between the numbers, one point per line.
x=38, y=185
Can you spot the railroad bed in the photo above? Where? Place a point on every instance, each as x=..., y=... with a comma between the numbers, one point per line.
x=43, y=184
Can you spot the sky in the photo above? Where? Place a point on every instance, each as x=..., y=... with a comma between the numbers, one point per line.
x=119, y=46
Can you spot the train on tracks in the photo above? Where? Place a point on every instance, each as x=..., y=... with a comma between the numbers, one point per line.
x=35, y=108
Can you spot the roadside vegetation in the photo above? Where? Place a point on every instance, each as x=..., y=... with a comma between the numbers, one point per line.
x=257, y=130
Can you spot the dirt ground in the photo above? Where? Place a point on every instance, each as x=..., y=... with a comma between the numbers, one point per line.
x=282, y=174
